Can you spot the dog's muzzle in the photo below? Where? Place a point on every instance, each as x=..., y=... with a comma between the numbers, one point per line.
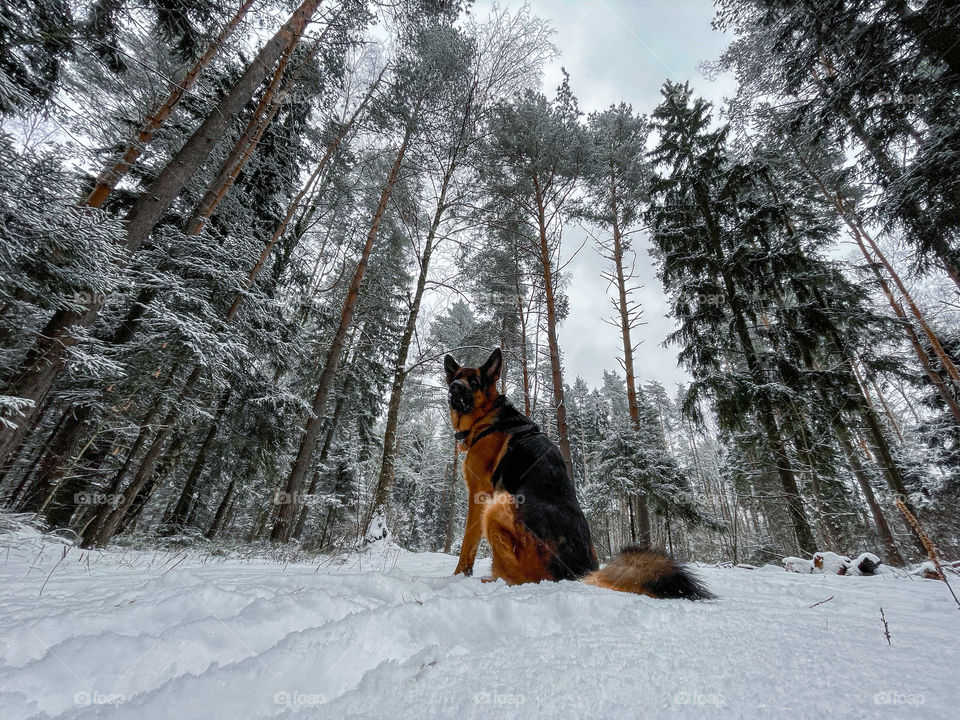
x=461, y=397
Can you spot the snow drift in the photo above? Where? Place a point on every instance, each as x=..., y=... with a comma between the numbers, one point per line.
x=143, y=635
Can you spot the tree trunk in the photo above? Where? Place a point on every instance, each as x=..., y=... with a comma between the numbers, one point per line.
x=556, y=369
x=888, y=465
x=856, y=232
x=452, y=509
x=626, y=324
x=109, y=177
x=286, y=512
x=221, y=513
x=386, y=476
x=36, y=375
x=60, y=446
x=57, y=462
x=155, y=200
x=891, y=554
x=889, y=173
x=42, y=452
x=788, y=481
x=525, y=371
x=324, y=452
x=178, y=517
x=147, y=491
x=7, y=467
x=295, y=205
x=914, y=310
x=247, y=142
x=101, y=533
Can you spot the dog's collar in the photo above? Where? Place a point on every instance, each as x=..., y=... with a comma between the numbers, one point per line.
x=462, y=435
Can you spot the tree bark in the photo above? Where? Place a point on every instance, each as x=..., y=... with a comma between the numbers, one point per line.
x=525, y=371
x=295, y=205
x=452, y=508
x=324, y=452
x=109, y=177
x=181, y=510
x=891, y=554
x=155, y=200
x=36, y=489
x=643, y=513
x=858, y=234
x=153, y=482
x=556, y=368
x=386, y=475
x=102, y=531
x=44, y=362
x=774, y=436
x=221, y=513
x=35, y=376
x=283, y=525
x=247, y=142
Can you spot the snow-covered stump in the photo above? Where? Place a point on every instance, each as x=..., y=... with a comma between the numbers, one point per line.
x=865, y=564
x=831, y=563
x=377, y=530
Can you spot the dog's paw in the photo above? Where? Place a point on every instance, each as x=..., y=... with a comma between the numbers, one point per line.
x=463, y=570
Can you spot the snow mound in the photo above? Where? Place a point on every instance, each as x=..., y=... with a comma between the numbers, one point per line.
x=798, y=565
x=153, y=635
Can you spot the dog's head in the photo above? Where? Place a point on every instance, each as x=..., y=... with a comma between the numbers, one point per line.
x=471, y=390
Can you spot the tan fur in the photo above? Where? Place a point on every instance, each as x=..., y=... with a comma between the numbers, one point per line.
x=478, y=468
x=632, y=572
x=518, y=557
x=482, y=404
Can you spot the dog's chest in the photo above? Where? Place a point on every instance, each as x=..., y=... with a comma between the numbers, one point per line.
x=481, y=463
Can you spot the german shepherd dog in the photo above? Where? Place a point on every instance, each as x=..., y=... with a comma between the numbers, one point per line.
x=522, y=500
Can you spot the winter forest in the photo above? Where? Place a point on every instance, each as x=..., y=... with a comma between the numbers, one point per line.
x=238, y=239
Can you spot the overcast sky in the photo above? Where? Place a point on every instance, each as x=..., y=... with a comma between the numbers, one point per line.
x=623, y=50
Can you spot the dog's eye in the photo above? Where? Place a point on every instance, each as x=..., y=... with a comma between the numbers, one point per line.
x=474, y=383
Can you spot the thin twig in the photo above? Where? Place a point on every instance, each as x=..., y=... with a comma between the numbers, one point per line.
x=62, y=557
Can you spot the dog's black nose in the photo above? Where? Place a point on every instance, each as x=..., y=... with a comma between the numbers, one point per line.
x=461, y=398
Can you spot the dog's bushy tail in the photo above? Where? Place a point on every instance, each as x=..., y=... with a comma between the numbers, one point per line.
x=650, y=572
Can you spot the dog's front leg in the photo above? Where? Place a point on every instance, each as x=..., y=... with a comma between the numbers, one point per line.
x=472, y=535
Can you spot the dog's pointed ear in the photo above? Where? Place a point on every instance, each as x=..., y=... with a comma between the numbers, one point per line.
x=450, y=366
x=490, y=370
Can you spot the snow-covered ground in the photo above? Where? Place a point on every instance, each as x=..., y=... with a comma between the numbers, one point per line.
x=144, y=635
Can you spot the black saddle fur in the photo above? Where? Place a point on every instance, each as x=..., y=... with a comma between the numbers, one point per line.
x=533, y=471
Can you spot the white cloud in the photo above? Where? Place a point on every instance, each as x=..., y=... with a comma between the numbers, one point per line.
x=622, y=51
